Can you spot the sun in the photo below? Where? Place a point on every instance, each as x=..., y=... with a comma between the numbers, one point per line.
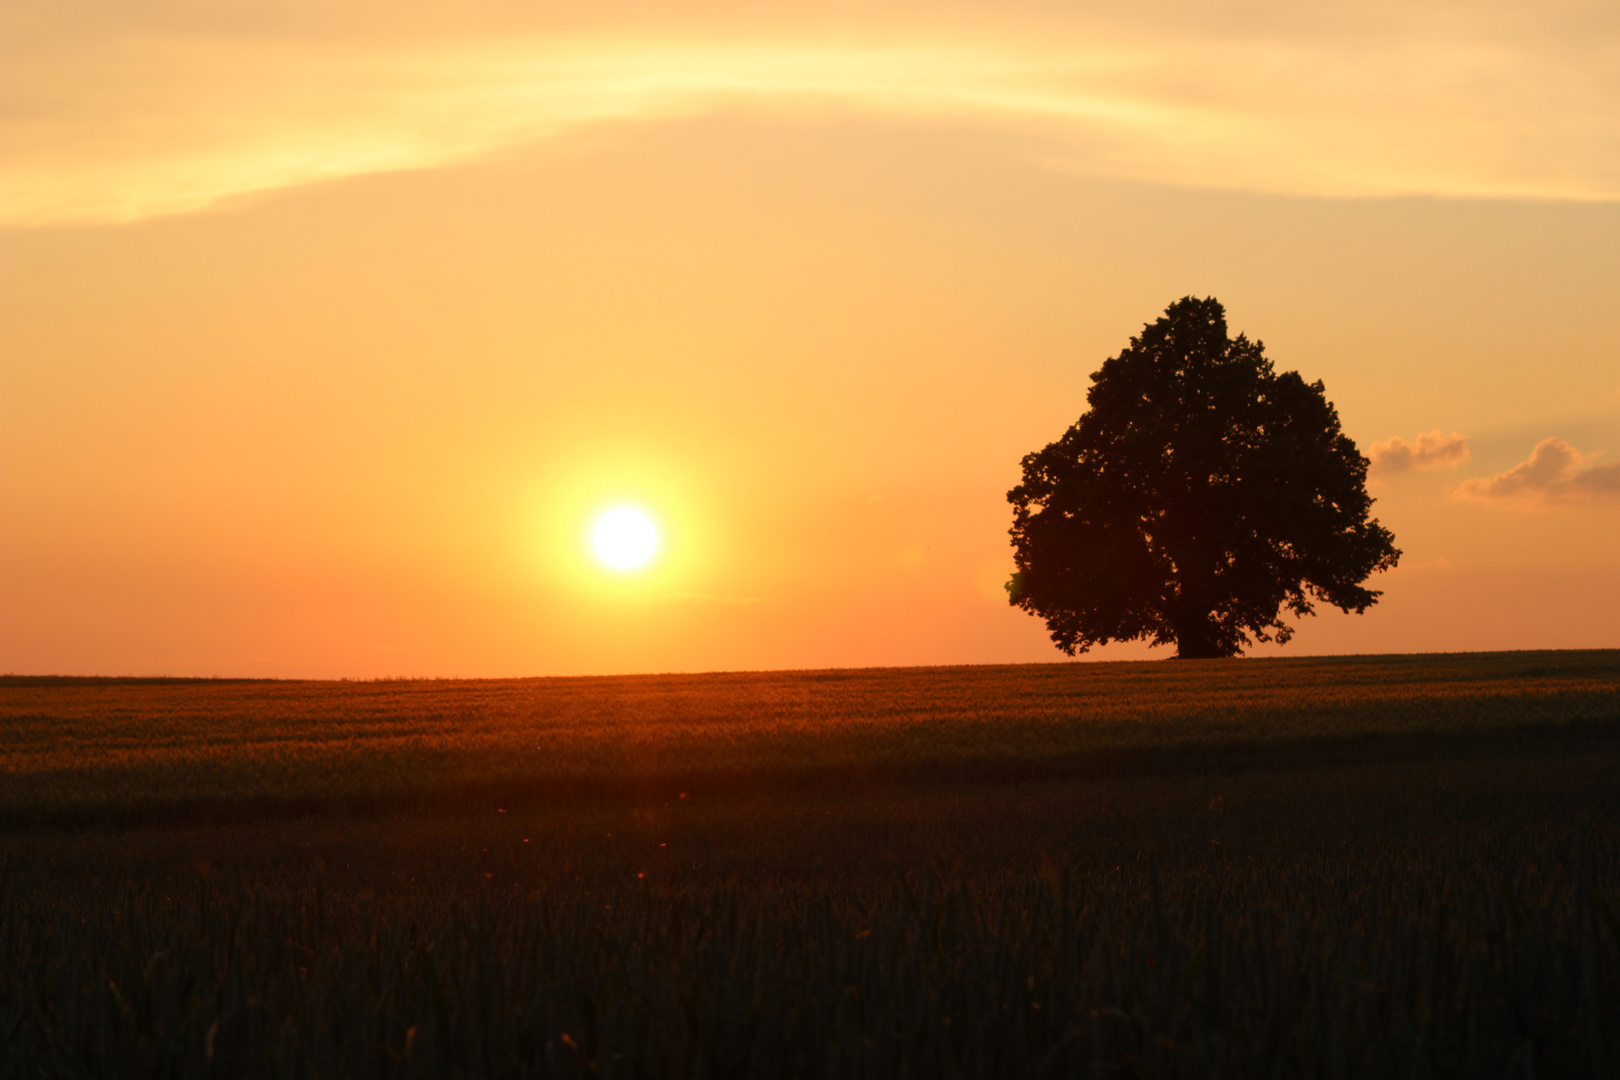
x=624, y=538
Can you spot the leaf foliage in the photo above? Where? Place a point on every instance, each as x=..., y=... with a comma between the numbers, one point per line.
x=1201, y=497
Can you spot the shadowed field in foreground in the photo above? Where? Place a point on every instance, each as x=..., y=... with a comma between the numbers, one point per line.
x=1396, y=918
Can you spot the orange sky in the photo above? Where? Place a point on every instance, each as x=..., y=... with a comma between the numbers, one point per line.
x=327, y=329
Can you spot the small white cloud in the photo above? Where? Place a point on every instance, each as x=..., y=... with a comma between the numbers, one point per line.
x=1555, y=472
x=1432, y=450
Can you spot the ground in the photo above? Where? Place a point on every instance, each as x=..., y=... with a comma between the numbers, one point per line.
x=1357, y=867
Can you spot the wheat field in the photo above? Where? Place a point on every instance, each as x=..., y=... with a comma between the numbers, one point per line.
x=115, y=748
x=1359, y=867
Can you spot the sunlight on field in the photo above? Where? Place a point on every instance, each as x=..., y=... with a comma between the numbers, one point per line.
x=86, y=744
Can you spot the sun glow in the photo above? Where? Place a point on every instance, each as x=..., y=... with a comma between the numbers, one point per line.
x=624, y=538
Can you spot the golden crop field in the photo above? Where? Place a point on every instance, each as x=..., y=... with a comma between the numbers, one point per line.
x=99, y=747
x=1359, y=867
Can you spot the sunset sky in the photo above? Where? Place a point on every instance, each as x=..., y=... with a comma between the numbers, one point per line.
x=328, y=330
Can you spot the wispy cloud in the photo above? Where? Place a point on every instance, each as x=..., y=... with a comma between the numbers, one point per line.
x=1432, y=450
x=1554, y=472
x=124, y=123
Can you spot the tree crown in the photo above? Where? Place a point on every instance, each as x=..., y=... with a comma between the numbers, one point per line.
x=1200, y=496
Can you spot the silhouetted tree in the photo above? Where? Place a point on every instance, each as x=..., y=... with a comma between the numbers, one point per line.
x=1199, y=495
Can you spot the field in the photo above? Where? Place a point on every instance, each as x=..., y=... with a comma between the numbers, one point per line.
x=74, y=750
x=1352, y=867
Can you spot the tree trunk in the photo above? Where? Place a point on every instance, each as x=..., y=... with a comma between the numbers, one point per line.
x=1196, y=639
x=1194, y=622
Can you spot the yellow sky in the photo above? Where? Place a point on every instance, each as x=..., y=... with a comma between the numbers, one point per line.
x=326, y=329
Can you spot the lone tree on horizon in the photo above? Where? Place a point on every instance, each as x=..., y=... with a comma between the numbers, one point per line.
x=1198, y=496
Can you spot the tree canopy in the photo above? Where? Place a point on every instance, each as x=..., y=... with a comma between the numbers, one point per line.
x=1198, y=497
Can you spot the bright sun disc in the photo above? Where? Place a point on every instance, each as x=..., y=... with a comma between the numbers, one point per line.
x=624, y=538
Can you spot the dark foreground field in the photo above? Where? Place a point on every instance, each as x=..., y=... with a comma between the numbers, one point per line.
x=1398, y=890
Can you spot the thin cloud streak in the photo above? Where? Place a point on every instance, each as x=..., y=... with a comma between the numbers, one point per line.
x=150, y=126
x=1555, y=472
